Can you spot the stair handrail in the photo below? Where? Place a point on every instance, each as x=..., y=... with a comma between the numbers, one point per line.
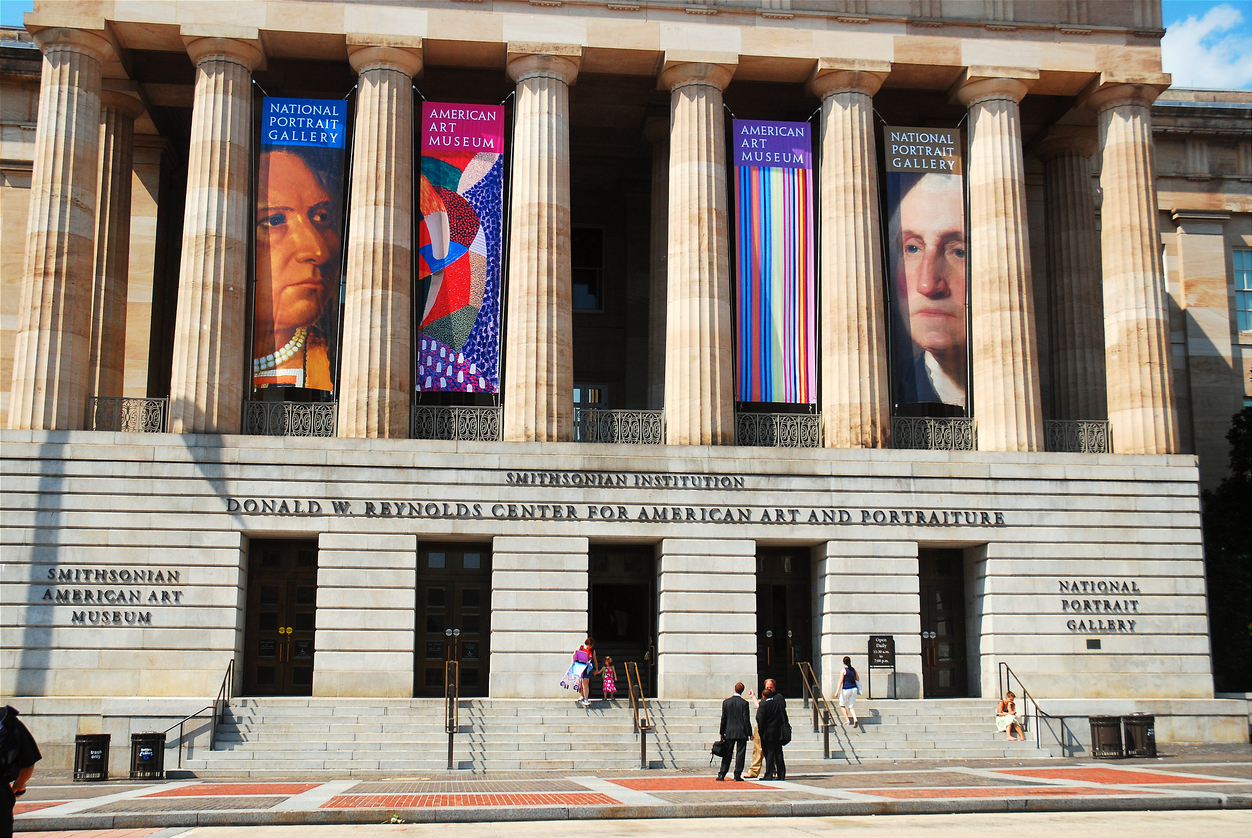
x=638, y=709
x=814, y=694
x=1003, y=676
x=451, y=703
x=219, y=707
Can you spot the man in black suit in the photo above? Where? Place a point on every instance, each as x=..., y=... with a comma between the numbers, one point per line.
x=771, y=719
x=736, y=731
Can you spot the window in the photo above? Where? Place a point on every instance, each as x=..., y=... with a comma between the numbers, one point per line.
x=589, y=395
x=1243, y=288
x=587, y=256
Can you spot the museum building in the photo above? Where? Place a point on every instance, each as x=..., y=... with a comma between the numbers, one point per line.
x=550, y=339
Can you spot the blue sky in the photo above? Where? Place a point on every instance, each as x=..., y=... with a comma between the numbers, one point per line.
x=1208, y=43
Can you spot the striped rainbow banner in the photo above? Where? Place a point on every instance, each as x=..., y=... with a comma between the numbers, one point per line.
x=775, y=346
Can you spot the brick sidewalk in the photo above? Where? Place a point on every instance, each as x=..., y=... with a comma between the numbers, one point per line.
x=1195, y=778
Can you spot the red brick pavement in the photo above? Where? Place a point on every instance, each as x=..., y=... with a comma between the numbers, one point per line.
x=235, y=789
x=690, y=784
x=1019, y=791
x=423, y=801
x=1107, y=776
x=35, y=806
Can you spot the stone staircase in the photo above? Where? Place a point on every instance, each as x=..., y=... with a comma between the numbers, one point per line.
x=273, y=737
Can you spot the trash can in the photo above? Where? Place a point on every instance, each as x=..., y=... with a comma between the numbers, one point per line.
x=91, y=756
x=1106, y=737
x=147, y=756
x=1140, y=734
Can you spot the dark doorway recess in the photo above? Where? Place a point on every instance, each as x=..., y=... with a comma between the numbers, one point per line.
x=784, y=617
x=622, y=582
x=942, y=585
x=453, y=595
x=281, y=613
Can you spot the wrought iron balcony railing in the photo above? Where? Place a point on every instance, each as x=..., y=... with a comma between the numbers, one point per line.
x=934, y=434
x=457, y=423
x=1078, y=436
x=289, y=418
x=138, y=416
x=778, y=430
x=630, y=427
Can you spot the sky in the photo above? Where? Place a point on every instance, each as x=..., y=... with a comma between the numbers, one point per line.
x=1207, y=44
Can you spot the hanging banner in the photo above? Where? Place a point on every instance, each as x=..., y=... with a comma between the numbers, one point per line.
x=925, y=208
x=299, y=228
x=462, y=206
x=775, y=354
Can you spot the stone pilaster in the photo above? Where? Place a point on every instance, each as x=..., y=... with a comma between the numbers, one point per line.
x=699, y=394
x=49, y=389
x=106, y=363
x=1141, y=407
x=1007, y=401
x=539, y=368
x=1076, y=305
x=207, y=374
x=856, y=400
x=375, y=386
x=657, y=133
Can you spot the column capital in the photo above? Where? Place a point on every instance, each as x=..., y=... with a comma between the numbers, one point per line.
x=373, y=52
x=832, y=76
x=239, y=45
x=93, y=41
x=552, y=61
x=678, y=73
x=1103, y=95
x=1066, y=141
x=122, y=102
x=982, y=84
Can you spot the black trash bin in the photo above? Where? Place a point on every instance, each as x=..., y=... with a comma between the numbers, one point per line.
x=1106, y=737
x=1140, y=734
x=147, y=756
x=91, y=756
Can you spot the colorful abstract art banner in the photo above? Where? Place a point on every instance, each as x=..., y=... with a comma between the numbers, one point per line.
x=775, y=355
x=462, y=207
x=299, y=229
x=925, y=212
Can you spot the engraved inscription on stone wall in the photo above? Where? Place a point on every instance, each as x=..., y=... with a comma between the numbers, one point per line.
x=1105, y=605
x=93, y=593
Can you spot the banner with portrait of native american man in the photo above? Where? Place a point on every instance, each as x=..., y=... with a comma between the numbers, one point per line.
x=925, y=212
x=299, y=231
x=462, y=210
x=775, y=356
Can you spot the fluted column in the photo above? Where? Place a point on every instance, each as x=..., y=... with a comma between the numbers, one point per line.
x=375, y=387
x=539, y=369
x=1076, y=306
x=206, y=377
x=1007, y=401
x=657, y=133
x=106, y=363
x=699, y=395
x=50, y=354
x=856, y=400
x=1142, y=411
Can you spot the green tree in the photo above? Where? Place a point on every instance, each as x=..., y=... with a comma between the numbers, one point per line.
x=1228, y=562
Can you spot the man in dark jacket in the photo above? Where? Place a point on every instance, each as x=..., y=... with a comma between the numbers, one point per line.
x=771, y=720
x=736, y=731
x=18, y=755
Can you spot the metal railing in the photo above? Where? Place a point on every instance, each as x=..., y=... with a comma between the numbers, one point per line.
x=778, y=430
x=1003, y=678
x=638, y=709
x=129, y=415
x=457, y=423
x=289, y=418
x=451, y=703
x=934, y=434
x=1078, y=436
x=630, y=427
x=219, y=707
x=813, y=695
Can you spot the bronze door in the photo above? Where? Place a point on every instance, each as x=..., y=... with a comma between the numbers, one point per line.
x=453, y=617
x=784, y=625
x=942, y=586
x=281, y=618
x=623, y=607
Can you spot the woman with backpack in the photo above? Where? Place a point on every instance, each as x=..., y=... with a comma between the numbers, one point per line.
x=581, y=665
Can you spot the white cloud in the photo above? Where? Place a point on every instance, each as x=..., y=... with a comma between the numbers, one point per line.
x=1213, y=51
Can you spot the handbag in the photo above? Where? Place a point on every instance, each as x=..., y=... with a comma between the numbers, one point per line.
x=720, y=749
x=786, y=732
x=859, y=689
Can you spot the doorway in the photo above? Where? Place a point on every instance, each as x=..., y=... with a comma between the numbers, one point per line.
x=281, y=616
x=942, y=587
x=784, y=622
x=622, y=619
x=453, y=617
